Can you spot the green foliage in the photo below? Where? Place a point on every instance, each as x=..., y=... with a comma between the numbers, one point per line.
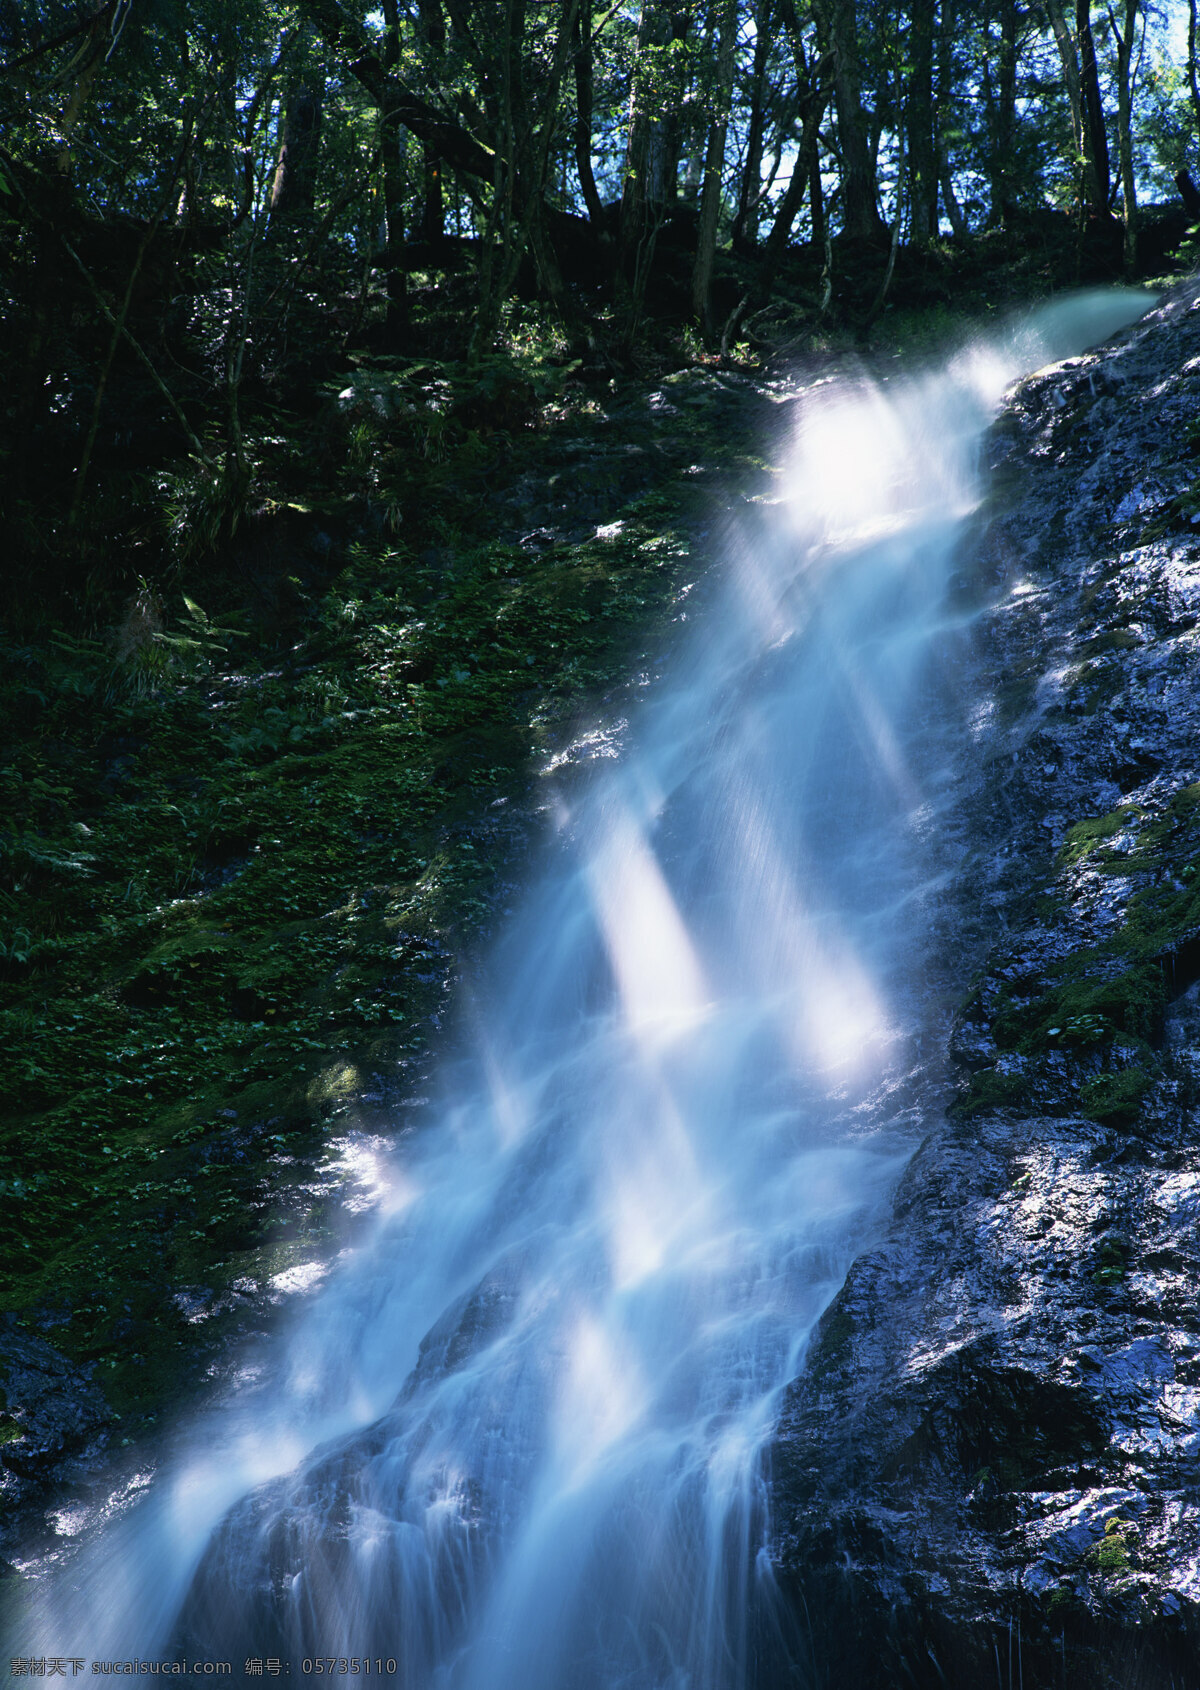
x=1080, y=1030
x=1111, y=1263
x=1061, y=1603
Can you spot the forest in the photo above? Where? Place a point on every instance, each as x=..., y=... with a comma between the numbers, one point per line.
x=371, y=378
x=210, y=211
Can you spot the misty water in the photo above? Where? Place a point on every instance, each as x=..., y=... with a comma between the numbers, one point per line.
x=520, y=1440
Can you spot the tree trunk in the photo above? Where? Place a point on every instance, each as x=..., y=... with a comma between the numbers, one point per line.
x=433, y=205
x=751, y=185
x=814, y=99
x=838, y=26
x=922, y=154
x=294, y=189
x=1003, y=164
x=1125, y=44
x=583, y=117
x=813, y=93
x=816, y=199
x=944, y=116
x=714, y=164
x=1093, y=105
x=119, y=321
x=640, y=218
x=100, y=38
x=1094, y=195
x=1193, y=73
x=394, y=146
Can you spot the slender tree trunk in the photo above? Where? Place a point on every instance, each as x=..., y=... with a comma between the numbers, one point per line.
x=1095, y=190
x=640, y=219
x=1069, y=59
x=100, y=39
x=522, y=160
x=884, y=288
x=433, y=204
x=294, y=189
x=118, y=323
x=1093, y=105
x=693, y=176
x=922, y=154
x=584, y=98
x=751, y=185
x=546, y=259
x=813, y=93
x=1193, y=71
x=814, y=99
x=789, y=206
x=944, y=99
x=714, y=164
x=838, y=24
x=190, y=434
x=1125, y=44
x=1003, y=172
x=431, y=23
x=393, y=146
x=816, y=198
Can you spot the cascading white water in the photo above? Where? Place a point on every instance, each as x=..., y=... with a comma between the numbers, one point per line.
x=702, y=1061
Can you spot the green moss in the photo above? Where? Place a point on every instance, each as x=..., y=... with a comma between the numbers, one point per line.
x=1111, y=1555
x=1097, y=683
x=1086, y=1009
x=1061, y=1602
x=1084, y=837
x=1115, y=1099
x=991, y=1089
x=1110, y=997
x=1116, y=639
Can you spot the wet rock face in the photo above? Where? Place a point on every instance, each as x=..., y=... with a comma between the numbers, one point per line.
x=991, y=1463
x=50, y=1412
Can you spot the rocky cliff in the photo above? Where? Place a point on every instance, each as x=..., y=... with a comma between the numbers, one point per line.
x=989, y=1471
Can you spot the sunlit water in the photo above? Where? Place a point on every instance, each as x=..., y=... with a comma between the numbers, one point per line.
x=517, y=1443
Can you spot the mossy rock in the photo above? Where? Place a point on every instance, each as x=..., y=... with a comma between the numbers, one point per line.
x=1086, y=836
x=1087, y=1009
x=990, y=1089
x=1116, y=1099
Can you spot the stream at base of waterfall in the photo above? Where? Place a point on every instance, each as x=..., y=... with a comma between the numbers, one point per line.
x=517, y=1441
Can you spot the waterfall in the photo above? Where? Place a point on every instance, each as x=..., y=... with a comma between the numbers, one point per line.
x=517, y=1441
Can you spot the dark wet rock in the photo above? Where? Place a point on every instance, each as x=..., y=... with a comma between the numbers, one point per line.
x=280, y=1545
x=49, y=1411
x=989, y=1470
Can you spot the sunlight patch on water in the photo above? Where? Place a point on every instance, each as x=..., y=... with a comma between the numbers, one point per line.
x=603, y=1396
x=658, y=976
x=656, y=1198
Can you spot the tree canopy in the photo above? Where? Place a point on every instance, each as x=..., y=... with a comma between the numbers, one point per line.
x=207, y=205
